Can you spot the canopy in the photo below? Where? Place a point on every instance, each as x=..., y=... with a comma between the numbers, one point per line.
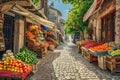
x=90, y=10
x=44, y=27
x=12, y=6
x=95, y=6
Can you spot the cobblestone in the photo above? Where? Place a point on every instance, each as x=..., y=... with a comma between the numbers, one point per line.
x=67, y=64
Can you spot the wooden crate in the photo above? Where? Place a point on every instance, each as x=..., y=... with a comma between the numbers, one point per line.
x=102, y=62
x=87, y=55
x=113, y=64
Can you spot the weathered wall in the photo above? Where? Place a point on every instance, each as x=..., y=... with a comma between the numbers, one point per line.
x=117, y=22
x=103, y=12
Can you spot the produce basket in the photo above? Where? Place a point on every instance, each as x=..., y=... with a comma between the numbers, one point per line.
x=103, y=53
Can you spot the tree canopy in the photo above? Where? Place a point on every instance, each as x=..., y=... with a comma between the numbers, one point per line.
x=36, y=3
x=75, y=15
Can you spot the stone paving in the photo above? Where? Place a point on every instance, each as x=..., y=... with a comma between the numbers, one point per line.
x=66, y=64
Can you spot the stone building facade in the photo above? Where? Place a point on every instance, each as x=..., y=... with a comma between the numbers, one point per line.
x=105, y=21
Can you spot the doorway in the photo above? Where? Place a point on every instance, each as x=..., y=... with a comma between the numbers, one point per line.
x=108, y=28
x=8, y=31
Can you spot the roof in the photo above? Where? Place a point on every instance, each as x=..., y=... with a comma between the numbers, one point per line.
x=55, y=10
x=14, y=7
x=28, y=4
x=96, y=4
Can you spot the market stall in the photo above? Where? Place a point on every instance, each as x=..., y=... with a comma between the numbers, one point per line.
x=106, y=54
x=36, y=40
x=11, y=67
x=113, y=61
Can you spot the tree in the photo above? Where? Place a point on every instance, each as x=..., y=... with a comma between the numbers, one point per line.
x=36, y=3
x=75, y=22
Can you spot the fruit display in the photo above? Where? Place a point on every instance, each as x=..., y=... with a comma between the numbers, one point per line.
x=82, y=43
x=8, y=54
x=101, y=48
x=14, y=65
x=91, y=44
x=27, y=56
x=114, y=52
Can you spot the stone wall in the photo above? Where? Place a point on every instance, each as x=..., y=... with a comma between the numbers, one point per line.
x=117, y=23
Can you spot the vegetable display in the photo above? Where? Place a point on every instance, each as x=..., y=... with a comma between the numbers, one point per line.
x=27, y=56
x=8, y=54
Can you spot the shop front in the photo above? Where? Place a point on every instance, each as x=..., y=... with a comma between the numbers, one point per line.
x=16, y=20
x=23, y=36
x=103, y=16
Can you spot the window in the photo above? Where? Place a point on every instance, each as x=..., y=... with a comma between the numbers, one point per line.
x=108, y=27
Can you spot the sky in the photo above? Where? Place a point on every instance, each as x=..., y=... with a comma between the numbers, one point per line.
x=63, y=8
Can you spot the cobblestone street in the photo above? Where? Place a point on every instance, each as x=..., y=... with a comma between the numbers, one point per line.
x=67, y=64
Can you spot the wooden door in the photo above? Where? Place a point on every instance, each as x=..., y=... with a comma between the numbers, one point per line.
x=108, y=28
x=8, y=31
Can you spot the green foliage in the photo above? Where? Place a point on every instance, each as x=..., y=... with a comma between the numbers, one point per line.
x=36, y=3
x=76, y=14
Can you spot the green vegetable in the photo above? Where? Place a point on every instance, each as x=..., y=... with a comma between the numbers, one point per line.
x=27, y=56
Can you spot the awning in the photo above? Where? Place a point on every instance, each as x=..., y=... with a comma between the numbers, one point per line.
x=94, y=8
x=12, y=6
x=44, y=27
x=90, y=10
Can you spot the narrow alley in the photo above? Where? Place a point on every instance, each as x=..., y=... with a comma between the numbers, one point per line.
x=67, y=64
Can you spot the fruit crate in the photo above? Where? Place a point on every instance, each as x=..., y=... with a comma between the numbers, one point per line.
x=87, y=55
x=113, y=63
